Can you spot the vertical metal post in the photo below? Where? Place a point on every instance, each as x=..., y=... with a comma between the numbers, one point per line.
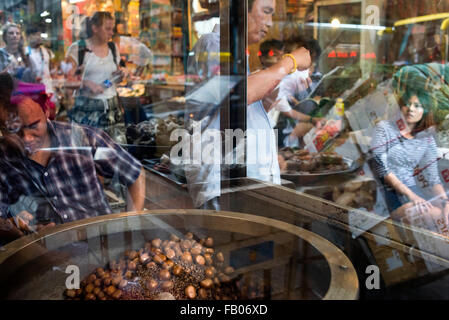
x=233, y=48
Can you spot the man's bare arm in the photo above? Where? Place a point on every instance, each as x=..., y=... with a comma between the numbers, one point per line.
x=136, y=193
x=260, y=84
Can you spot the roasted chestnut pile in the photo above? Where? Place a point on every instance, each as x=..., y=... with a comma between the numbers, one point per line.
x=174, y=268
x=297, y=161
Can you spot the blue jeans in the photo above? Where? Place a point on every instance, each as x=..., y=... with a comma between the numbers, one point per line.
x=394, y=200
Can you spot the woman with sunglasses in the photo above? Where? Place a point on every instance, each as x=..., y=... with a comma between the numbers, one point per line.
x=404, y=150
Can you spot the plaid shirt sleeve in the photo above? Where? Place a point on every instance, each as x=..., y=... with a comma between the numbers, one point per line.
x=111, y=159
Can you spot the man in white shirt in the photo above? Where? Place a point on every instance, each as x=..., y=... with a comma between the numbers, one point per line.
x=262, y=161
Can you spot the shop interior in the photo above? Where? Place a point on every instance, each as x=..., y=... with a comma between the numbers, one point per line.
x=317, y=233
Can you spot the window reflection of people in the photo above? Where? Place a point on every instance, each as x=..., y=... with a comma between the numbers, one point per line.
x=41, y=57
x=49, y=170
x=12, y=57
x=399, y=149
x=271, y=51
x=96, y=103
x=295, y=122
x=259, y=84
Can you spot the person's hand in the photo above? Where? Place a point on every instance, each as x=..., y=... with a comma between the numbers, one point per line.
x=420, y=204
x=9, y=231
x=301, y=129
x=24, y=222
x=93, y=87
x=303, y=59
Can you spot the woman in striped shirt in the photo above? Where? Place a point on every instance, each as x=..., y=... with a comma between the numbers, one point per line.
x=403, y=149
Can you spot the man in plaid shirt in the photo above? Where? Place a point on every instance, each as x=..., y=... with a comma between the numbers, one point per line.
x=48, y=171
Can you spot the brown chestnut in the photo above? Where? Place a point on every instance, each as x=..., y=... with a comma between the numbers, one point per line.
x=89, y=288
x=177, y=270
x=156, y=242
x=164, y=275
x=91, y=278
x=123, y=284
x=100, y=272
x=224, y=278
x=117, y=294
x=96, y=290
x=165, y=296
x=90, y=296
x=209, y=242
x=207, y=283
x=167, y=285
x=128, y=274
x=186, y=257
x=170, y=253
x=209, y=272
x=159, y=258
x=229, y=270
x=97, y=283
x=171, y=244
x=200, y=260
x=116, y=280
x=110, y=290
x=186, y=244
x=190, y=292
x=154, y=251
x=174, y=237
x=151, y=264
x=144, y=258
x=208, y=259
x=70, y=293
x=220, y=257
x=132, y=255
x=107, y=281
x=151, y=284
x=195, y=251
x=100, y=294
x=168, y=264
x=178, y=250
x=202, y=294
x=209, y=250
x=189, y=235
